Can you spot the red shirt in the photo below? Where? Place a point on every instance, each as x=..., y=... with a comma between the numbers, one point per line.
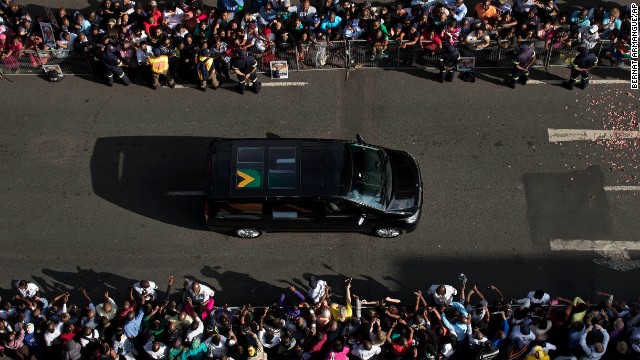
x=64, y=337
x=399, y=350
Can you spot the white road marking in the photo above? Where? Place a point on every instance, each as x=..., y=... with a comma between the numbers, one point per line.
x=185, y=193
x=235, y=84
x=615, y=253
x=285, y=83
x=622, y=188
x=592, y=81
x=557, y=135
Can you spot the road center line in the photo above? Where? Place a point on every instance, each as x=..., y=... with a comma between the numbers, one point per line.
x=235, y=84
x=622, y=188
x=557, y=135
x=185, y=193
x=592, y=81
x=593, y=245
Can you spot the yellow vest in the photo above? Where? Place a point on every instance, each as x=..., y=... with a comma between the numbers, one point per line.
x=160, y=64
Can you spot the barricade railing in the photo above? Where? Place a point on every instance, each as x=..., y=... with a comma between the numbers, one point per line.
x=30, y=62
x=323, y=55
x=70, y=62
x=26, y=62
x=337, y=55
x=281, y=53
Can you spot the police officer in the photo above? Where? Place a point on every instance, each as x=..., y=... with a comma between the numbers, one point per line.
x=206, y=69
x=113, y=65
x=245, y=68
x=448, y=62
x=580, y=66
x=520, y=73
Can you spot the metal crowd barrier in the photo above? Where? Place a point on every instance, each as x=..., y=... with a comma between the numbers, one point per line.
x=331, y=55
x=30, y=62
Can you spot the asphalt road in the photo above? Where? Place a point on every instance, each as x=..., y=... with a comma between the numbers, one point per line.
x=86, y=169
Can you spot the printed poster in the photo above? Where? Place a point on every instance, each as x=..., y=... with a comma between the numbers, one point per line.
x=279, y=69
x=466, y=63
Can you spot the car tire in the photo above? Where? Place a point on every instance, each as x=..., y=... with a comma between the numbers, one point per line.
x=387, y=232
x=247, y=232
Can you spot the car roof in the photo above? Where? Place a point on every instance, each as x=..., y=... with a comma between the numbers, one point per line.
x=279, y=167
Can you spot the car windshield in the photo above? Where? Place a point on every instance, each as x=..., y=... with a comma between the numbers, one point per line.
x=368, y=176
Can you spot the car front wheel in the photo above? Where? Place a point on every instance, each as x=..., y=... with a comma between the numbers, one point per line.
x=247, y=232
x=388, y=232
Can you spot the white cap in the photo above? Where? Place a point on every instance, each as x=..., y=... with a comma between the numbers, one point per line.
x=593, y=29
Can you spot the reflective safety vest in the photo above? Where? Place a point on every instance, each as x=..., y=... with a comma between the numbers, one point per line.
x=160, y=64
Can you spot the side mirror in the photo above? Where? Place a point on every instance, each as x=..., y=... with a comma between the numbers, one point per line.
x=361, y=220
x=359, y=139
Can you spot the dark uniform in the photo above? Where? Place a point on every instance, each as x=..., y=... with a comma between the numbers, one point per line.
x=113, y=66
x=580, y=66
x=242, y=66
x=523, y=60
x=448, y=62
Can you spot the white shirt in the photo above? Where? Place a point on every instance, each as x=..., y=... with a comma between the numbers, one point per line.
x=197, y=332
x=316, y=293
x=125, y=344
x=262, y=335
x=160, y=354
x=544, y=301
x=517, y=335
x=84, y=341
x=305, y=16
x=202, y=296
x=362, y=354
x=445, y=299
x=143, y=56
x=217, y=351
x=49, y=337
x=174, y=19
x=138, y=39
x=151, y=290
x=31, y=290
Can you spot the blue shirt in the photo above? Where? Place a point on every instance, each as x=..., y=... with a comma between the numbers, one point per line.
x=132, y=327
x=328, y=24
x=461, y=330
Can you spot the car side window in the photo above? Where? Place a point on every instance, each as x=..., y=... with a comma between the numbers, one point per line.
x=295, y=210
x=237, y=210
x=337, y=208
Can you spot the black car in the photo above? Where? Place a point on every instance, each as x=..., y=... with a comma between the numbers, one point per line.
x=270, y=185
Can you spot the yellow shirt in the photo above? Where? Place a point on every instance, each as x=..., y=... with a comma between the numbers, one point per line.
x=335, y=312
x=160, y=64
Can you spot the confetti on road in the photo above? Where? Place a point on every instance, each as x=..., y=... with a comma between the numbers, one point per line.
x=616, y=110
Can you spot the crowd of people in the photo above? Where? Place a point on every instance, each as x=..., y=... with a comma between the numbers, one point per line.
x=125, y=38
x=444, y=322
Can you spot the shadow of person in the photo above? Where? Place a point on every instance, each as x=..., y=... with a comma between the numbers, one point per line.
x=68, y=281
x=239, y=288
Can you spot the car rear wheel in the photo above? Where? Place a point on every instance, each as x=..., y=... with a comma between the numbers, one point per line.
x=247, y=232
x=388, y=232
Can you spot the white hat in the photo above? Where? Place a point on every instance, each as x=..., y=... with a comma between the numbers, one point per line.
x=30, y=328
x=593, y=29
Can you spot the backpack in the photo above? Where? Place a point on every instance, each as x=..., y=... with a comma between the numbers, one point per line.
x=488, y=352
